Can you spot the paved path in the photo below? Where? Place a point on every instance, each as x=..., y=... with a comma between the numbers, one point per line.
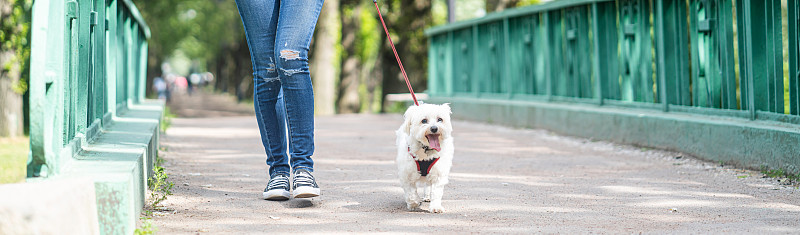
x=503, y=181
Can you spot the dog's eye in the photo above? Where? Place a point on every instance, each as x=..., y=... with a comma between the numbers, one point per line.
x=440, y=120
x=424, y=121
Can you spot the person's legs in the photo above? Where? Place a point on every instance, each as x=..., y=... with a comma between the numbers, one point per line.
x=294, y=31
x=260, y=19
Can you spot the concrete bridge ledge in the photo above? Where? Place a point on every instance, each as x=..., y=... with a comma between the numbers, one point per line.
x=57, y=206
x=736, y=141
x=116, y=163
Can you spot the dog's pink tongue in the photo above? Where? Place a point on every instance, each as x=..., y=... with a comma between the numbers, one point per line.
x=433, y=141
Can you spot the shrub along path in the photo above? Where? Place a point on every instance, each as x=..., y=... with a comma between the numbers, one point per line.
x=503, y=181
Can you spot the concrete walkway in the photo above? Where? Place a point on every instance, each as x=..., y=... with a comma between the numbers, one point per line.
x=503, y=181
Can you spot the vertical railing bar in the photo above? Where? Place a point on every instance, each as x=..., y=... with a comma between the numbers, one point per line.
x=773, y=62
x=475, y=84
x=660, y=53
x=548, y=68
x=83, y=63
x=450, y=79
x=695, y=92
x=748, y=55
x=509, y=81
x=599, y=76
x=794, y=87
x=111, y=59
x=729, y=72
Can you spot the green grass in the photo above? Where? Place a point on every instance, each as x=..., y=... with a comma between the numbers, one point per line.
x=398, y=107
x=166, y=122
x=13, y=159
x=147, y=228
x=781, y=175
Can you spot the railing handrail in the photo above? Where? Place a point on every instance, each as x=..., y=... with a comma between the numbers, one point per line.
x=134, y=11
x=513, y=12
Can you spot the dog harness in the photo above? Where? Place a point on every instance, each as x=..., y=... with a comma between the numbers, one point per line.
x=427, y=165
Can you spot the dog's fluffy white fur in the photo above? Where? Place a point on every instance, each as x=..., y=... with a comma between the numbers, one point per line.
x=421, y=123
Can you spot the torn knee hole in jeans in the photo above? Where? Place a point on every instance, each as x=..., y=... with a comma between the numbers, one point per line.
x=290, y=72
x=271, y=65
x=290, y=55
x=273, y=79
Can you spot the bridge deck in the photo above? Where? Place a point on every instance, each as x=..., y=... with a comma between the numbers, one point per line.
x=503, y=180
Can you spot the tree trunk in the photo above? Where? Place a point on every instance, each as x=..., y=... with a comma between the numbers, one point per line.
x=10, y=101
x=406, y=26
x=348, y=99
x=11, y=69
x=324, y=60
x=244, y=71
x=153, y=71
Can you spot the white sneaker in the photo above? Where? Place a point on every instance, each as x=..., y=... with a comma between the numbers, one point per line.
x=277, y=189
x=304, y=185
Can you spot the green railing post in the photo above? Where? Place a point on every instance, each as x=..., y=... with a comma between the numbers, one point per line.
x=111, y=61
x=714, y=80
x=577, y=53
x=97, y=87
x=673, y=68
x=555, y=43
x=793, y=15
x=538, y=46
x=660, y=54
x=460, y=59
x=508, y=82
x=547, y=50
x=433, y=66
x=599, y=76
x=47, y=86
x=775, y=56
x=635, y=55
x=476, y=85
x=762, y=57
x=519, y=53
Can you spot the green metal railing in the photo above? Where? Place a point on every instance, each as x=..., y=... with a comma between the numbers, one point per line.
x=671, y=55
x=88, y=62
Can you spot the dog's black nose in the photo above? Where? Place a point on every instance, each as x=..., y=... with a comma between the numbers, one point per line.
x=434, y=129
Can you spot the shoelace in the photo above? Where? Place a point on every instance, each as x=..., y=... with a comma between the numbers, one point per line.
x=304, y=179
x=278, y=182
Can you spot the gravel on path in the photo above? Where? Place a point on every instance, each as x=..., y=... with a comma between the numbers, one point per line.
x=503, y=180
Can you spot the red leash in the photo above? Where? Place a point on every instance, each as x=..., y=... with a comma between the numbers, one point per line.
x=395, y=53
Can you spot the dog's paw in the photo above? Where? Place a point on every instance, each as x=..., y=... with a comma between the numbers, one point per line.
x=412, y=206
x=436, y=209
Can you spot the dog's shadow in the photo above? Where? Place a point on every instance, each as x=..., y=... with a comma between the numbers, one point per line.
x=401, y=207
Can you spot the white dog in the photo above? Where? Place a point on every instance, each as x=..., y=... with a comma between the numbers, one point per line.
x=425, y=154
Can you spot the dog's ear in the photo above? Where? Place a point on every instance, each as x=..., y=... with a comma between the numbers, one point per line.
x=447, y=106
x=407, y=119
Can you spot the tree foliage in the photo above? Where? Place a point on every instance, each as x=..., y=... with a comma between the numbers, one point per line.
x=15, y=18
x=210, y=33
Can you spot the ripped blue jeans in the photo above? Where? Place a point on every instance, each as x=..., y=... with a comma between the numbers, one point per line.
x=278, y=34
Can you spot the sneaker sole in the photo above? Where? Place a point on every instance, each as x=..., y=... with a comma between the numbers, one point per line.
x=276, y=195
x=305, y=192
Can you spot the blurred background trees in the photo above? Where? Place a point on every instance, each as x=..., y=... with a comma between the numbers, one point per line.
x=15, y=18
x=351, y=62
